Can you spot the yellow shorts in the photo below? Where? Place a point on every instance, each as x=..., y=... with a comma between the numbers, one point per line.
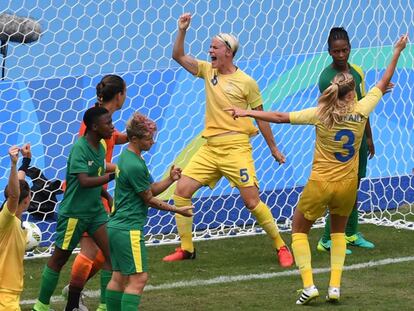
x=229, y=156
x=9, y=302
x=338, y=196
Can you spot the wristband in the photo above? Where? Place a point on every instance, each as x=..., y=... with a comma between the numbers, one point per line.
x=25, y=164
x=111, y=176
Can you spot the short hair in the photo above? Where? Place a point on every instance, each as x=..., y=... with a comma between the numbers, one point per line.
x=139, y=125
x=24, y=190
x=108, y=87
x=337, y=33
x=229, y=40
x=92, y=116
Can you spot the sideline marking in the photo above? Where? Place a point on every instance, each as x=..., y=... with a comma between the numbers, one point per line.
x=237, y=278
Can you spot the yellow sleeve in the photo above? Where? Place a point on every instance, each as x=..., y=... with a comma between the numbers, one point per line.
x=254, y=98
x=305, y=116
x=5, y=216
x=203, y=68
x=368, y=103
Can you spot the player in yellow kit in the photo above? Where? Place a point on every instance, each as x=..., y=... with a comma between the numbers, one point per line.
x=340, y=122
x=228, y=151
x=12, y=233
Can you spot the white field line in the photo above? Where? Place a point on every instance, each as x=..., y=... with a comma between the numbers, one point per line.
x=247, y=277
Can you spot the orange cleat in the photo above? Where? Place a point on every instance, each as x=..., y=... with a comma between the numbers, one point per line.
x=180, y=254
x=285, y=257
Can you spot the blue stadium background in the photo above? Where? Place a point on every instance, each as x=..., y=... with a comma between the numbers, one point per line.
x=50, y=83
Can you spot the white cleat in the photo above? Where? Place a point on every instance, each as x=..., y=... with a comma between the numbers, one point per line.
x=308, y=294
x=333, y=294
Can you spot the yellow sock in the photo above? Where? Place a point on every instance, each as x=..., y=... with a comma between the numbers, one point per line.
x=184, y=224
x=302, y=254
x=338, y=249
x=265, y=219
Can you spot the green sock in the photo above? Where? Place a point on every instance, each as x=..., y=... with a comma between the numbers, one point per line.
x=327, y=232
x=48, y=285
x=106, y=276
x=352, y=225
x=113, y=300
x=130, y=302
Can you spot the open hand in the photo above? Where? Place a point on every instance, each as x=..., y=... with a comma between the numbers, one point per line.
x=186, y=211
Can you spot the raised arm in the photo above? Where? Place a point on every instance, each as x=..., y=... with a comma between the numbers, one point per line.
x=189, y=63
x=13, y=187
x=386, y=77
x=27, y=157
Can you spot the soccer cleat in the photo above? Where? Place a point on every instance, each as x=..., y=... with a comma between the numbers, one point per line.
x=359, y=240
x=65, y=294
x=180, y=254
x=307, y=294
x=101, y=307
x=41, y=307
x=326, y=247
x=285, y=257
x=333, y=294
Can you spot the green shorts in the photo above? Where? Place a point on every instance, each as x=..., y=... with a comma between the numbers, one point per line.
x=69, y=230
x=229, y=156
x=363, y=158
x=128, y=251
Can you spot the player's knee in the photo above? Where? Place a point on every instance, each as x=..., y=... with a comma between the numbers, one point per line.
x=251, y=203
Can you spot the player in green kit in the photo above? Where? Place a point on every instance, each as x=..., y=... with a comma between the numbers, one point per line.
x=135, y=191
x=340, y=122
x=81, y=209
x=339, y=48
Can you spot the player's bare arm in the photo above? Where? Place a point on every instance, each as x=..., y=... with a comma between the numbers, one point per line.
x=161, y=186
x=13, y=187
x=152, y=201
x=188, y=62
x=87, y=181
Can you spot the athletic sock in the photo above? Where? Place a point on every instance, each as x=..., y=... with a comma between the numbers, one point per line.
x=266, y=221
x=73, y=298
x=327, y=231
x=352, y=224
x=98, y=263
x=81, y=269
x=106, y=276
x=302, y=254
x=184, y=224
x=130, y=302
x=338, y=249
x=113, y=300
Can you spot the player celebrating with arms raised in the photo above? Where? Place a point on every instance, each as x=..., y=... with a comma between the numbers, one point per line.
x=340, y=123
x=228, y=151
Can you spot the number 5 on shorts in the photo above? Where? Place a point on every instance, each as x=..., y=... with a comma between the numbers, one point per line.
x=244, y=176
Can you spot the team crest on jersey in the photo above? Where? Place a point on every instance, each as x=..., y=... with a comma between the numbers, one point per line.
x=90, y=163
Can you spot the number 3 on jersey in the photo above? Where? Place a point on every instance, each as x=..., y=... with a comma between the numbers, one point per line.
x=347, y=146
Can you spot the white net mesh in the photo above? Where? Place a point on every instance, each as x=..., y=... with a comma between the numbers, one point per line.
x=49, y=83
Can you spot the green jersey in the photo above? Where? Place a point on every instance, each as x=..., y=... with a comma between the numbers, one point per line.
x=130, y=211
x=79, y=202
x=325, y=80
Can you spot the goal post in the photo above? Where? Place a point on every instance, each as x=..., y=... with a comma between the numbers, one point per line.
x=49, y=84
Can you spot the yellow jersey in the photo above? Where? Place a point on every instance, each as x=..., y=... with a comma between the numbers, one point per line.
x=224, y=91
x=12, y=250
x=336, y=152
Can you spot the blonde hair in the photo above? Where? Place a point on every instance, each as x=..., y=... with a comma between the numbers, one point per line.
x=139, y=125
x=332, y=106
x=230, y=41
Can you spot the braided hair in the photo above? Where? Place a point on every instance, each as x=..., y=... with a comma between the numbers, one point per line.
x=337, y=33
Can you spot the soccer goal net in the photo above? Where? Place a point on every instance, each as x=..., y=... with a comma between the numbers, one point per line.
x=49, y=83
